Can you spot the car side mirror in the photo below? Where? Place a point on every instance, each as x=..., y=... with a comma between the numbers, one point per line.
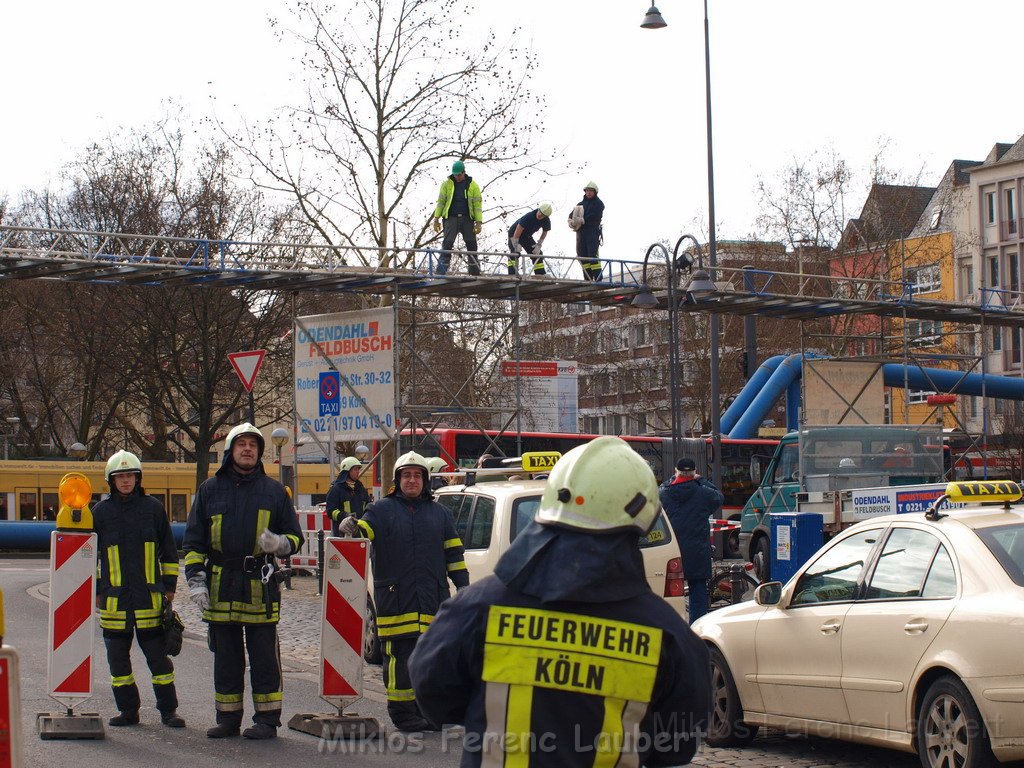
x=769, y=593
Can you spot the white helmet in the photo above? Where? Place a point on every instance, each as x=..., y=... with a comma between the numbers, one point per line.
x=436, y=464
x=245, y=428
x=122, y=461
x=591, y=185
x=603, y=486
x=546, y=208
x=412, y=459
x=347, y=463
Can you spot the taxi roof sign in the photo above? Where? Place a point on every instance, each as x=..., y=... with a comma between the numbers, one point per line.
x=540, y=461
x=977, y=490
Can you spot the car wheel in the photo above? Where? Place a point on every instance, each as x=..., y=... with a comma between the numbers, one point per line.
x=732, y=545
x=725, y=728
x=761, y=557
x=371, y=642
x=950, y=731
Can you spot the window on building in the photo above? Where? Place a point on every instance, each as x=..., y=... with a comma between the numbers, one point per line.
x=614, y=424
x=640, y=419
x=997, y=339
x=990, y=207
x=974, y=407
x=639, y=335
x=924, y=332
x=925, y=278
x=936, y=218
x=917, y=396
x=993, y=272
x=968, y=279
x=1013, y=264
x=592, y=425
x=1010, y=196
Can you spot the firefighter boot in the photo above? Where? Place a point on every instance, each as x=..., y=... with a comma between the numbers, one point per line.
x=260, y=731
x=222, y=731
x=125, y=718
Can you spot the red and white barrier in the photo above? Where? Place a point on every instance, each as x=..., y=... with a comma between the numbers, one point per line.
x=311, y=521
x=71, y=633
x=342, y=620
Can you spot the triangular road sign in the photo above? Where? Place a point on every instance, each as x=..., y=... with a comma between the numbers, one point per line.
x=247, y=365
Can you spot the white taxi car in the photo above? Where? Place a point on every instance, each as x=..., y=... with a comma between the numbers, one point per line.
x=903, y=631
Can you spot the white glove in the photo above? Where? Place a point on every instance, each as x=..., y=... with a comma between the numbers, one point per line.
x=198, y=591
x=275, y=543
x=349, y=526
x=536, y=250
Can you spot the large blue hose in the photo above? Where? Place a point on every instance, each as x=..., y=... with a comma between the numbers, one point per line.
x=746, y=396
x=34, y=535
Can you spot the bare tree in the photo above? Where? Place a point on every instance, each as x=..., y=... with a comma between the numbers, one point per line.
x=393, y=95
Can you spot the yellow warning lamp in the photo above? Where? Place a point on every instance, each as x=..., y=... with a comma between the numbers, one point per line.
x=75, y=494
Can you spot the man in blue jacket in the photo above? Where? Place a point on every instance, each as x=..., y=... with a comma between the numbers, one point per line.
x=689, y=501
x=565, y=657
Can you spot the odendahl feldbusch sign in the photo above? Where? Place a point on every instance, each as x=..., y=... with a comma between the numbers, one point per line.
x=345, y=375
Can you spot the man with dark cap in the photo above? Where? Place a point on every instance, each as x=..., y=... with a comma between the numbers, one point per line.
x=565, y=657
x=690, y=501
x=460, y=211
x=241, y=518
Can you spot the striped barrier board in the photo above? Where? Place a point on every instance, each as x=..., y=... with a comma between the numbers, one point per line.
x=71, y=633
x=311, y=521
x=342, y=620
x=11, y=755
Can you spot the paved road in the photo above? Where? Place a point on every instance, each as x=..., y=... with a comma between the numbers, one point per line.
x=25, y=589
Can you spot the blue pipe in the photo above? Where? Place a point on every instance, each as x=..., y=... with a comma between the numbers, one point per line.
x=34, y=535
x=786, y=373
x=943, y=380
x=746, y=396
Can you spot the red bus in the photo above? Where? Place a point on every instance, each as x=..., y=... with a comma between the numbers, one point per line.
x=463, y=447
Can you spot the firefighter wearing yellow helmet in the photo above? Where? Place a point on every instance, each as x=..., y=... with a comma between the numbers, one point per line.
x=241, y=519
x=138, y=564
x=435, y=465
x=416, y=552
x=566, y=644
x=347, y=496
x=520, y=236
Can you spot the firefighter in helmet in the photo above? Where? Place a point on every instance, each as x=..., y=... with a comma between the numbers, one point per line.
x=435, y=465
x=416, y=551
x=565, y=651
x=138, y=571
x=347, y=497
x=241, y=518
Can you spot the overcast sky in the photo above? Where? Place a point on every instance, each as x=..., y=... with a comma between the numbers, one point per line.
x=934, y=80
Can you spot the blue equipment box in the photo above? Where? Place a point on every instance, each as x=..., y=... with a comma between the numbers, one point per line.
x=795, y=538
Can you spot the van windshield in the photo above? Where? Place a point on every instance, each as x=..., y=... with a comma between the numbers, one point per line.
x=524, y=509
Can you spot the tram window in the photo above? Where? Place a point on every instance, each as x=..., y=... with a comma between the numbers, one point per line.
x=27, y=506
x=51, y=503
x=179, y=507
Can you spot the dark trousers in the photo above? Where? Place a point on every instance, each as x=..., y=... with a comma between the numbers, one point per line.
x=126, y=692
x=453, y=226
x=528, y=244
x=588, y=243
x=230, y=642
x=397, y=685
x=698, y=589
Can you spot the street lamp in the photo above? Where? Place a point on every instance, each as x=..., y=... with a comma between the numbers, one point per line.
x=361, y=452
x=77, y=451
x=675, y=263
x=279, y=437
x=654, y=20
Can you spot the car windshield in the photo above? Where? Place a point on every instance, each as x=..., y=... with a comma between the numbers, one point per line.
x=1006, y=542
x=524, y=509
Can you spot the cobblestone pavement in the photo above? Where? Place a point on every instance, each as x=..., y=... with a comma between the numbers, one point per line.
x=299, y=634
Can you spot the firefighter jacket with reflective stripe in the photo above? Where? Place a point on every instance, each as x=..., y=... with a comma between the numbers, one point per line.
x=346, y=497
x=473, y=197
x=621, y=683
x=137, y=560
x=415, y=552
x=228, y=514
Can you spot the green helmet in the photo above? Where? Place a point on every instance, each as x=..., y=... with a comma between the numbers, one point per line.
x=546, y=208
x=245, y=428
x=436, y=464
x=411, y=459
x=123, y=461
x=347, y=463
x=603, y=486
x=591, y=185
x=458, y=167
